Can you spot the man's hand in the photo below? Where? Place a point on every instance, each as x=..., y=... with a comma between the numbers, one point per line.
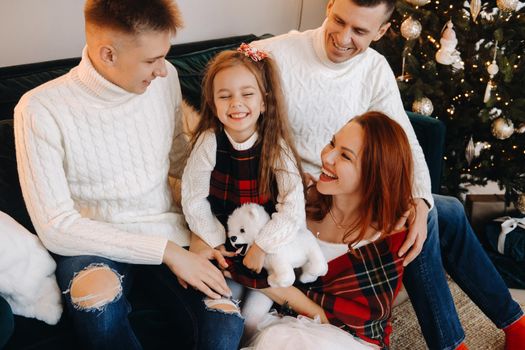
x=196, y=271
x=199, y=247
x=254, y=258
x=417, y=230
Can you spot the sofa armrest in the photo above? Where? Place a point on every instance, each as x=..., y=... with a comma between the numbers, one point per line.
x=430, y=133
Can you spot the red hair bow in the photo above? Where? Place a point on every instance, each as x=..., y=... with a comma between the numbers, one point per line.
x=252, y=52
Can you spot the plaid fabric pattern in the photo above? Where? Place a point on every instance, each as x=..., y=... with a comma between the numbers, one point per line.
x=241, y=274
x=233, y=183
x=234, y=179
x=358, y=291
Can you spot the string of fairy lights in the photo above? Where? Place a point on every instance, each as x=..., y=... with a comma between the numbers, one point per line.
x=447, y=53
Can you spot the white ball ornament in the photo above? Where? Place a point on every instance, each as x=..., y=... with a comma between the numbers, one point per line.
x=411, y=28
x=423, y=106
x=502, y=128
x=493, y=68
x=507, y=5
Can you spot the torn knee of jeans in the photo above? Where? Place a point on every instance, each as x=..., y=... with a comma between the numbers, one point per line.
x=225, y=305
x=93, y=288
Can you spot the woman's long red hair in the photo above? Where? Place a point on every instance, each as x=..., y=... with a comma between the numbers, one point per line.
x=386, y=179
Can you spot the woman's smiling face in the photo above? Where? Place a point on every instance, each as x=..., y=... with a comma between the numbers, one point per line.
x=341, y=161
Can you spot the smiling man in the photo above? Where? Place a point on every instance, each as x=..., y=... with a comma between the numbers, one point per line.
x=93, y=150
x=330, y=75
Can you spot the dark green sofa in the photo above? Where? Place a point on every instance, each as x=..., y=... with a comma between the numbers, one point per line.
x=150, y=323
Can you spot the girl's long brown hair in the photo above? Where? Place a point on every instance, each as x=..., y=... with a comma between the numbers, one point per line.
x=273, y=127
x=386, y=179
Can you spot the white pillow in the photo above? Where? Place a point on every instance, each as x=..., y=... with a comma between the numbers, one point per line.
x=27, y=273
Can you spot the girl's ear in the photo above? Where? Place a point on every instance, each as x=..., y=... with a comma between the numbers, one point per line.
x=263, y=107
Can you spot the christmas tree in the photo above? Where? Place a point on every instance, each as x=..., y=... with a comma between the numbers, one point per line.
x=464, y=63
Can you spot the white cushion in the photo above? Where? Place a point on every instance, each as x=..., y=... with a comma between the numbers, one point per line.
x=27, y=273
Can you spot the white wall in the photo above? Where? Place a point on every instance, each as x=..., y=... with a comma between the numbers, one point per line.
x=41, y=30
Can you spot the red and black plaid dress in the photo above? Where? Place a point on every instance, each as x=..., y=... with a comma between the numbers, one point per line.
x=233, y=183
x=358, y=291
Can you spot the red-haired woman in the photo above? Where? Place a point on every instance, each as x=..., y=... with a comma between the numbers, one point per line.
x=364, y=188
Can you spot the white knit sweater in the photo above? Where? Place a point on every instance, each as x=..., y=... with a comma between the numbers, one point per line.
x=93, y=162
x=322, y=96
x=285, y=222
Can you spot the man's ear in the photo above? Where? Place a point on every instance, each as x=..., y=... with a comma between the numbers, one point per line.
x=329, y=7
x=382, y=30
x=108, y=54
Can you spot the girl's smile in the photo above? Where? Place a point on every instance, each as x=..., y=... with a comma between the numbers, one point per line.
x=238, y=101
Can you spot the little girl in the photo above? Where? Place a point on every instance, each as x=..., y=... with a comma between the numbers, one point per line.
x=242, y=152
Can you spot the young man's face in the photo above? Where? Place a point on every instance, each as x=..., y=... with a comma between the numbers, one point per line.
x=139, y=60
x=351, y=28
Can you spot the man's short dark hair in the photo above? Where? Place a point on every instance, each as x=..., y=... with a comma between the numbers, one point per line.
x=390, y=5
x=134, y=16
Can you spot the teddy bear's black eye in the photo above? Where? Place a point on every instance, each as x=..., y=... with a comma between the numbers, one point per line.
x=242, y=230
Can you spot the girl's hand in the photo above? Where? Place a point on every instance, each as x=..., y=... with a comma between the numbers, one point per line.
x=199, y=247
x=297, y=300
x=254, y=258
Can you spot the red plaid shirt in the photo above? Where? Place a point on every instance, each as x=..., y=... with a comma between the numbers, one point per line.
x=358, y=291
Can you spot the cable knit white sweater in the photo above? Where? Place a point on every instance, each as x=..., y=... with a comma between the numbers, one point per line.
x=93, y=162
x=285, y=222
x=322, y=96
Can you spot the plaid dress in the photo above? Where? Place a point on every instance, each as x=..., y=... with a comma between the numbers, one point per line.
x=233, y=183
x=358, y=291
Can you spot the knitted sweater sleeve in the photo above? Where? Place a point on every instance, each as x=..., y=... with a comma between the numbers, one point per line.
x=62, y=229
x=290, y=213
x=195, y=189
x=387, y=99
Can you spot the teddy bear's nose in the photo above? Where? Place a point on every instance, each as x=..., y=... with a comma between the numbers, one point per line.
x=233, y=238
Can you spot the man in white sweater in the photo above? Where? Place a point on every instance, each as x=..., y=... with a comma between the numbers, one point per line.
x=94, y=150
x=330, y=75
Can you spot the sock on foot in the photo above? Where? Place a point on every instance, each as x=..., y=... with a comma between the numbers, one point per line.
x=462, y=346
x=515, y=335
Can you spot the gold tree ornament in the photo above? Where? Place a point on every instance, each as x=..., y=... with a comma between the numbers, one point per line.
x=475, y=7
x=411, y=28
x=423, y=106
x=418, y=2
x=507, y=5
x=502, y=128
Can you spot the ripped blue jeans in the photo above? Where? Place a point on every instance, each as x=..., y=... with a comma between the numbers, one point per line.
x=105, y=325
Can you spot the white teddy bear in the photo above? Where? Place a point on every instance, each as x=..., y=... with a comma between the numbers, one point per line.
x=245, y=223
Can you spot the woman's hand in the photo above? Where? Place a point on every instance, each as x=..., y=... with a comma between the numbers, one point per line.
x=254, y=259
x=199, y=247
x=297, y=300
x=196, y=271
x=417, y=230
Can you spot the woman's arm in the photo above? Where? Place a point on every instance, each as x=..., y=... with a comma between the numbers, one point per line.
x=297, y=301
